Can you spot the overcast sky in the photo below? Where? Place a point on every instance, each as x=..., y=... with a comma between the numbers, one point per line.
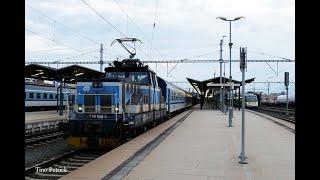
x=69, y=30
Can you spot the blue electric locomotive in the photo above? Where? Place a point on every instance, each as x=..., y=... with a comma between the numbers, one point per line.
x=129, y=99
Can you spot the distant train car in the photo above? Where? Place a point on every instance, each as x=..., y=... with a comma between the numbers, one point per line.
x=268, y=100
x=131, y=98
x=281, y=101
x=43, y=96
x=278, y=100
x=251, y=101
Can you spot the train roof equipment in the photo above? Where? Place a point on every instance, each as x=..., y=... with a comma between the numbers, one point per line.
x=122, y=42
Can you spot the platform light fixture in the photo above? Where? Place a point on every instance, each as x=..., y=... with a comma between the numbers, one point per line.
x=38, y=74
x=79, y=74
x=230, y=80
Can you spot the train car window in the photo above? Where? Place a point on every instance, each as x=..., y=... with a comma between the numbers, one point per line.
x=50, y=96
x=45, y=95
x=56, y=96
x=38, y=95
x=31, y=95
x=25, y=95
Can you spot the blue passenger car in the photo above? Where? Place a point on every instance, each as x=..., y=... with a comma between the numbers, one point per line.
x=39, y=96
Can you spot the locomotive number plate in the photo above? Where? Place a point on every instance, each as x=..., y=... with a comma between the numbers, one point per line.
x=97, y=116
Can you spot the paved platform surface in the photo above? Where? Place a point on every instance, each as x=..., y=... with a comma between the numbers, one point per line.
x=203, y=147
x=43, y=116
x=100, y=167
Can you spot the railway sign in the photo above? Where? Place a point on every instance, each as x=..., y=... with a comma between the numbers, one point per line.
x=286, y=78
x=243, y=58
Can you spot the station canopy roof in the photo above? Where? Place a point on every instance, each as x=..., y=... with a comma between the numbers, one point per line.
x=214, y=84
x=71, y=74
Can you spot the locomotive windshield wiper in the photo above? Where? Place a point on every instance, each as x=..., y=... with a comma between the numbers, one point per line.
x=133, y=40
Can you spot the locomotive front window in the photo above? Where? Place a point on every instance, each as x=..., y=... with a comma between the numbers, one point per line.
x=136, y=77
x=115, y=75
x=89, y=102
x=251, y=99
x=105, y=102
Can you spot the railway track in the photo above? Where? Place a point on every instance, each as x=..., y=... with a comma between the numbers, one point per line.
x=278, y=113
x=42, y=137
x=62, y=165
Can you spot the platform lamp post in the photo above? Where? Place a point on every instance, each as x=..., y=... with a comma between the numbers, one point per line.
x=230, y=80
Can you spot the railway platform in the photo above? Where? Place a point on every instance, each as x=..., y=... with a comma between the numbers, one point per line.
x=197, y=144
x=42, y=120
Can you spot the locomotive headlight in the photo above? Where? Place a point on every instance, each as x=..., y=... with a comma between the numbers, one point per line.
x=116, y=109
x=80, y=109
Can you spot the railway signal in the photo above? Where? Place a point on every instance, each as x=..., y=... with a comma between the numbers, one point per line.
x=243, y=67
x=286, y=83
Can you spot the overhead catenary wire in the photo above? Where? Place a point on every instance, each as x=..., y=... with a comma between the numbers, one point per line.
x=103, y=18
x=108, y=22
x=265, y=54
x=85, y=53
x=60, y=43
x=201, y=55
x=54, y=49
x=56, y=21
x=77, y=33
x=154, y=25
x=139, y=29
